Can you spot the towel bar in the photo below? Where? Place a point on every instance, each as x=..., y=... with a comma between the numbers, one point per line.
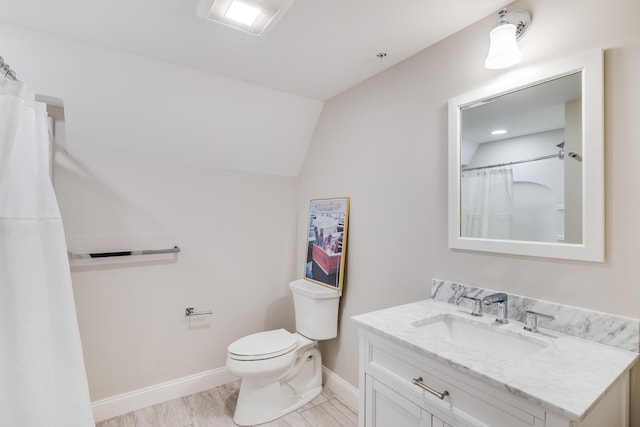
x=173, y=250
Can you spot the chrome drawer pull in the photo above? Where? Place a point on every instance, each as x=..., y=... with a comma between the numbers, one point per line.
x=419, y=383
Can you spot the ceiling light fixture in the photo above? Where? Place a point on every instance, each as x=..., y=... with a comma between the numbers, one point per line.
x=255, y=17
x=499, y=132
x=503, y=50
x=242, y=13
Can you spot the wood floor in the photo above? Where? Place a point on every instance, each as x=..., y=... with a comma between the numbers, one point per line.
x=214, y=408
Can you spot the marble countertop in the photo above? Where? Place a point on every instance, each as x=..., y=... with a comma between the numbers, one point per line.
x=567, y=377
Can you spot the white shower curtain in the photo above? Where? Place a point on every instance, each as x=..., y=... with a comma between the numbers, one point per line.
x=42, y=377
x=487, y=203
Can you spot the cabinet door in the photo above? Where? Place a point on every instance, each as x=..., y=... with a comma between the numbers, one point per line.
x=385, y=408
x=437, y=422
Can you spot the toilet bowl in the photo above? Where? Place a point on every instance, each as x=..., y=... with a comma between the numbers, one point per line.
x=271, y=354
x=282, y=371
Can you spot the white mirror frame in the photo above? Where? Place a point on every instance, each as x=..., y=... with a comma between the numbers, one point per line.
x=592, y=246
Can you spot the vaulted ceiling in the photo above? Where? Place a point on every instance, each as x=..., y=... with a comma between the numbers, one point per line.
x=151, y=81
x=317, y=50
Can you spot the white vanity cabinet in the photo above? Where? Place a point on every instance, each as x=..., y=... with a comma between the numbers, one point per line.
x=390, y=398
x=388, y=408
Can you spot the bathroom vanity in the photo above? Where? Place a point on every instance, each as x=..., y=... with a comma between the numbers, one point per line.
x=431, y=363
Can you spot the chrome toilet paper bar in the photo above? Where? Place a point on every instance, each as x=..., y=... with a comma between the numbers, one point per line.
x=189, y=311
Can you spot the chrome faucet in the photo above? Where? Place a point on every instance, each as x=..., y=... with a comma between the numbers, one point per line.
x=502, y=300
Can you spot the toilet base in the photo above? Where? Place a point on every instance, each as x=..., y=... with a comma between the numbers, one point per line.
x=260, y=403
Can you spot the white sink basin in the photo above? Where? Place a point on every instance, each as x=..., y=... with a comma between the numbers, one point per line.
x=489, y=339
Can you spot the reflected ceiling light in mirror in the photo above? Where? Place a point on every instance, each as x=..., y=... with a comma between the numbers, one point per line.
x=503, y=50
x=498, y=132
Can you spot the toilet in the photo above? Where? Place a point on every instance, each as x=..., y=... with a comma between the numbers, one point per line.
x=280, y=370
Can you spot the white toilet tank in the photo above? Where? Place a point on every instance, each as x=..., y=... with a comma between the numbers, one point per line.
x=316, y=308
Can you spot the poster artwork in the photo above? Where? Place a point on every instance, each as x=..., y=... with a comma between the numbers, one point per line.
x=328, y=222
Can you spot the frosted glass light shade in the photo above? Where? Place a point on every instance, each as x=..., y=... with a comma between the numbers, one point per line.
x=503, y=50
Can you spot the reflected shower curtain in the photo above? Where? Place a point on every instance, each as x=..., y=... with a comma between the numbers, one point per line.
x=42, y=377
x=486, y=203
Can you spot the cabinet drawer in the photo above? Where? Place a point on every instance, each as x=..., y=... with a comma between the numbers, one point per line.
x=468, y=403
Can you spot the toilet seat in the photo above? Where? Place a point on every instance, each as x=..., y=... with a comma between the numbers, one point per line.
x=263, y=345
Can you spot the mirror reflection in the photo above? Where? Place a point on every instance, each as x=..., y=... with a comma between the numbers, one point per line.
x=521, y=164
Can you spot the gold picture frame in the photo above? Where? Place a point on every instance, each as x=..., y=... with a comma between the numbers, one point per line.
x=327, y=241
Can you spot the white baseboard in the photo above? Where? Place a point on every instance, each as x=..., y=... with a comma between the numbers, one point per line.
x=132, y=401
x=148, y=396
x=345, y=391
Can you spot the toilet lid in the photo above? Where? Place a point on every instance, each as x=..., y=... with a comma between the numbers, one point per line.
x=263, y=345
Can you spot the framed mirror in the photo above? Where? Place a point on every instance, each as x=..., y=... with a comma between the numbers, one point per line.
x=526, y=163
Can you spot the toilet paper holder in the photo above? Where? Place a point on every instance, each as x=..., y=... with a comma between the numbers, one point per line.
x=190, y=311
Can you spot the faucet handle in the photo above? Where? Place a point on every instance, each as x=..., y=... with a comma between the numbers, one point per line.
x=531, y=320
x=501, y=300
x=477, y=305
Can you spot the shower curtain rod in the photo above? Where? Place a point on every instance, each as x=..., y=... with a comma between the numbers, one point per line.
x=9, y=74
x=559, y=155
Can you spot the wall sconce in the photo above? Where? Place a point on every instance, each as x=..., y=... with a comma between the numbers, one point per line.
x=503, y=51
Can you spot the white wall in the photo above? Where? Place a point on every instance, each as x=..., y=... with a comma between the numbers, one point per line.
x=236, y=232
x=386, y=142
x=126, y=107
x=131, y=123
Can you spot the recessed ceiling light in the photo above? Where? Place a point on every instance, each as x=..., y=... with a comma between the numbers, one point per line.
x=251, y=16
x=242, y=13
x=499, y=132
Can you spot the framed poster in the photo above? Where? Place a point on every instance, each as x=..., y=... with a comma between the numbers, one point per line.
x=327, y=241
